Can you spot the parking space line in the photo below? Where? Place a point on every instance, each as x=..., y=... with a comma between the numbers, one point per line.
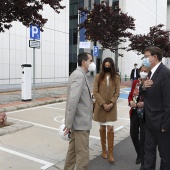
x=122, y=106
x=46, y=164
x=117, y=129
x=55, y=108
x=36, y=124
x=32, y=108
x=123, y=118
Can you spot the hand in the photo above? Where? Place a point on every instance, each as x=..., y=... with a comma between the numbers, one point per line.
x=140, y=104
x=106, y=107
x=132, y=103
x=67, y=130
x=148, y=83
x=163, y=130
x=111, y=105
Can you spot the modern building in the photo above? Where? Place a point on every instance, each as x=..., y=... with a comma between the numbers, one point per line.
x=57, y=56
x=147, y=13
x=167, y=60
x=51, y=60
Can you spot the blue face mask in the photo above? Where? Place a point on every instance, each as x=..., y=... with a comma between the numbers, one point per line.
x=146, y=62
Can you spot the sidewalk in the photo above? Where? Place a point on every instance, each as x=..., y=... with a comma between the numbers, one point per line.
x=10, y=98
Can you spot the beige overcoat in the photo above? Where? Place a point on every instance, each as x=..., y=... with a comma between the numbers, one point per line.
x=106, y=94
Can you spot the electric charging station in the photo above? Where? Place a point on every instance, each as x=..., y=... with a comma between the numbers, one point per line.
x=26, y=82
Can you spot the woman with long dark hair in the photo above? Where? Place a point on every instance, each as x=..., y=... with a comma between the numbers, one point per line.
x=106, y=92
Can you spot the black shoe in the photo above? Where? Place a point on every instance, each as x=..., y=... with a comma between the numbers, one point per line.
x=141, y=168
x=138, y=160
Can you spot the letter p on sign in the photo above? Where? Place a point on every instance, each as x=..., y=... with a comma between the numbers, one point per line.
x=34, y=32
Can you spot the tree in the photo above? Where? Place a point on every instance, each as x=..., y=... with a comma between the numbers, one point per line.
x=156, y=37
x=110, y=27
x=25, y=11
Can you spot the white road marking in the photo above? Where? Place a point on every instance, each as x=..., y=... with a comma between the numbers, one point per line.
x=59, y=121
x=46, y=164
x=94, y=137
x=36, y=107
x=123, y=106
x=36, y=124
x=48, y=127
x=117, y=129
x=55, y=108
x=124, y=118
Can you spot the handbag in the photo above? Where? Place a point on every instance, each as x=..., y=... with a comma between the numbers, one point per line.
x=94, y=103
x=140, y=112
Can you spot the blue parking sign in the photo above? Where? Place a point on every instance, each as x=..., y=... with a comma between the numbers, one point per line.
x=34, y=32
x=95, y=51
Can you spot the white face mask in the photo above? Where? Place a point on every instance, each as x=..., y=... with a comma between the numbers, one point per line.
x=92, y=67
x=143, y=75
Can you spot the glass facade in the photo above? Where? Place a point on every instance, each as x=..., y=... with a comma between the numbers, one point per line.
x=73, y=33
x=74, y=6
x=115, y=4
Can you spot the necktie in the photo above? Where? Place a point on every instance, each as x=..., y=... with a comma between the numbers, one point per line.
x=149, y=74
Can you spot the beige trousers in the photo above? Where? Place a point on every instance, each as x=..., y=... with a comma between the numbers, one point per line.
x=78, y=151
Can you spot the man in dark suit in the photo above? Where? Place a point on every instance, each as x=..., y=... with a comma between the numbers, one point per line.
x=156, y=110
x=134, y=73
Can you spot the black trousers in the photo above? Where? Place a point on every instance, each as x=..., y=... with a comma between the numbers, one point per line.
x=137, y=133
x=152, y=140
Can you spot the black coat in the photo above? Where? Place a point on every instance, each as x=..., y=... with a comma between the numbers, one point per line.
x=157, y=100
x=132, y=74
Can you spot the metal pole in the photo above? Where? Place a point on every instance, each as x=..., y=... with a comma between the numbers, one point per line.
x=78, y=36
x=33, y=74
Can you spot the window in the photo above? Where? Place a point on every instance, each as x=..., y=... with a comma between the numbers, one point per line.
x=115, y=4
x=75, y=36
x=97, y=1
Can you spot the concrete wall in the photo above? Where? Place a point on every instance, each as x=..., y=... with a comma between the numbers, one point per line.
x=167, y=60
x=51, y=60
x=147, y=13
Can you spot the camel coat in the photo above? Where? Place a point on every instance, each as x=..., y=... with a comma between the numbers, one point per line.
x=106, y=94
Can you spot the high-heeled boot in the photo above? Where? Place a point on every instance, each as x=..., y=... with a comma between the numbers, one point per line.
x=110, y=140
x=103, y=143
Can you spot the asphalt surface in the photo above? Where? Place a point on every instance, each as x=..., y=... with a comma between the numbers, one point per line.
x=124, y=153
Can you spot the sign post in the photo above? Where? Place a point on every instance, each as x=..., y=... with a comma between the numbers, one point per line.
x=95, y=54
x=35, y=35
x=95, y=51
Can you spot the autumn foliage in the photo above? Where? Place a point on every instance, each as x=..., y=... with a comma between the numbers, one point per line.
x=25, y=11
x=110, y=27
x=156, y=37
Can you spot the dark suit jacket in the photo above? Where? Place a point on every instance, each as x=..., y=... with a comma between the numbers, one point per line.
x=157, y=100
x=132, y=74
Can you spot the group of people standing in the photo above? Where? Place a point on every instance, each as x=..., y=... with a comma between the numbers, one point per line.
x=149, y=100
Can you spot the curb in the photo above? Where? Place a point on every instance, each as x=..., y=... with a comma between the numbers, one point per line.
x=33, y=104
x=13, y=126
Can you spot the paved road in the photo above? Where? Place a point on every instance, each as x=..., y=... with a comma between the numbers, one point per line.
x=124, y=158
x=39, y=146
x=32, y=142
